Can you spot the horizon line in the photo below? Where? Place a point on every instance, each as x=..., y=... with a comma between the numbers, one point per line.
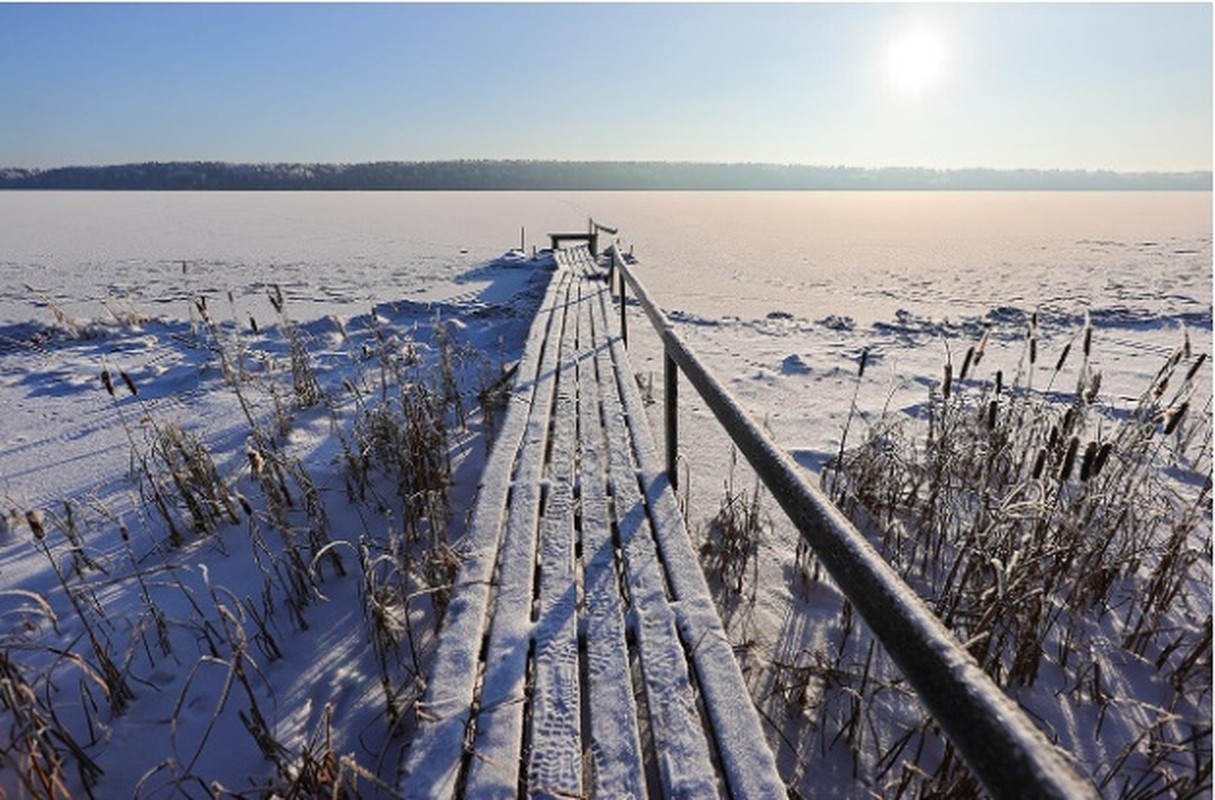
x=584, y=161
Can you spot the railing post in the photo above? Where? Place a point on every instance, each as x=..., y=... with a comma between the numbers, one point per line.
x=624, y=317
x=670, y=373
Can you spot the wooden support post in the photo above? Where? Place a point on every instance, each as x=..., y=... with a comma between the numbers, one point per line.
x=670, y=373
x=624, y=317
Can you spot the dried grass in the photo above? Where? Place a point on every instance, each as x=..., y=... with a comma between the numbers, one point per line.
x=1027, y=522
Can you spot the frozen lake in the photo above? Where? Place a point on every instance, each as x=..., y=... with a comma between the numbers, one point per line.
x=812, y=254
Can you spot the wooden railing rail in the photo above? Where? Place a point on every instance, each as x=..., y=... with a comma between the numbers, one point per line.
x=1003, y=748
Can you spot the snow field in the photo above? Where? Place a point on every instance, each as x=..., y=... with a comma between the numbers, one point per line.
x=839, y=714
x=780, y=294
x=282, y=651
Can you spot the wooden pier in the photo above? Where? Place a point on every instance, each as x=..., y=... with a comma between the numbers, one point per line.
x=581, y=654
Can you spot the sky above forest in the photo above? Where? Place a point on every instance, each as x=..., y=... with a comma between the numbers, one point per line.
x=1117, y=86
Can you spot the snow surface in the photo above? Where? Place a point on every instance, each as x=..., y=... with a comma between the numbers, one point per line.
x=788, y=341
x=67, y=439
x=779, y=293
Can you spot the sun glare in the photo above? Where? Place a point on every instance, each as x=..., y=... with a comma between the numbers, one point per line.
x=916, y=60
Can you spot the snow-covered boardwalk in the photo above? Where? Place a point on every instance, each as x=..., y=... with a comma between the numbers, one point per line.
x=581, y=654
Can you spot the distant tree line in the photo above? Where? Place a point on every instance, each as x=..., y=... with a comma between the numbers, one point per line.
x=573, y=175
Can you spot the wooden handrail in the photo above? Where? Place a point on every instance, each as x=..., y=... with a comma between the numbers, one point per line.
x=1002, y=747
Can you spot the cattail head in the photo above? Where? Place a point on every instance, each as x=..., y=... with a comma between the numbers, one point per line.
x=1173, y=417
x=252, y=323
x=999, y=381
x=992, y=407
x=37, y=523
x=1032, y=336
x=107, y=382
x=1103, y=454
x=981, y=350
x=860, y=372
x=1088, y=334
x=1086, y=463
x=1039, y=463
x=1067, y=348
x=1094, y=386
x=129, y=382
x=1069, y=459
x=947, y=381
x=244, y=504
x=966, y=362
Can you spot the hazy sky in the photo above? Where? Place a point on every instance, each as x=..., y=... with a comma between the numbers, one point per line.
x=1116, y=86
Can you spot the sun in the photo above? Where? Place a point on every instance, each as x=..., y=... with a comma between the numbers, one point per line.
x=916, y=60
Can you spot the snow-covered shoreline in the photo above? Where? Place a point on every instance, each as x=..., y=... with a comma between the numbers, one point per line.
x=66, y=439
x=800, y=377
x=198, y=617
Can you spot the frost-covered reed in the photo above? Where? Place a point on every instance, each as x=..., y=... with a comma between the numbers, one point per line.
x=1061, y=539
x=392, y=415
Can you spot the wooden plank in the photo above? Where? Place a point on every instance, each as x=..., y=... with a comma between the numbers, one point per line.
x=747, y=761
x=432, y=765
x=497, y=749
x=613, y=739
x=555, y=765
x=681, y=749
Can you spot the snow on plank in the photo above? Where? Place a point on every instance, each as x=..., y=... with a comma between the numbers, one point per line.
x=749, y=765
x=493, y=770
x=613, y=739
x=433, y=761
x=555, y=767
x=682, y=750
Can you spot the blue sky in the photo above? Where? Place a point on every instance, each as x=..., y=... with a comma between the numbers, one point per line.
x=1071, y=86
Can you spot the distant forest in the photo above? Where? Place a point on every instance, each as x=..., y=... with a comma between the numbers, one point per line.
x=572, y=175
